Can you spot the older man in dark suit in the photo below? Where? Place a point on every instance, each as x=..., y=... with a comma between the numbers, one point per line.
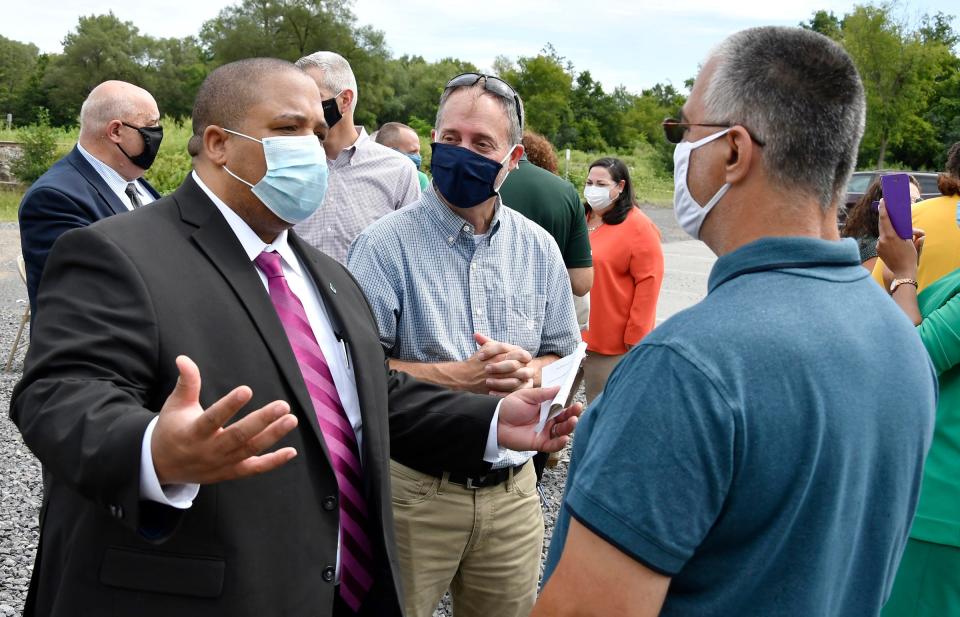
x=120, y=136
x=157, y=497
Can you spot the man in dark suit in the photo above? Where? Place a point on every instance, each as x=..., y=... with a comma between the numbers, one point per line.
x=156, y=496
x=120, y=135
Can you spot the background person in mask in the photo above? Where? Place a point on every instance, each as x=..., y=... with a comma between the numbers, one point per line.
x=367, y=180
x=400, y=137
x=120, y=136
x=759, y=453
x=628, y=262
x=469, y=294
x=163, y=494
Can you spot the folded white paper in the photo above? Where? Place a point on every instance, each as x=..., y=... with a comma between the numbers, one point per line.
x=565, y=373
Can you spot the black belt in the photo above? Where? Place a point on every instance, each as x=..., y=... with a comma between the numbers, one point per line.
x=492, y=478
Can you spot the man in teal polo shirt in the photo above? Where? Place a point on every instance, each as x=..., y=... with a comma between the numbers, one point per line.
x=761, y=452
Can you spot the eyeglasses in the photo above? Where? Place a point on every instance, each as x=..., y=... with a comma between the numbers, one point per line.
x=491, y=84
x=674, y=130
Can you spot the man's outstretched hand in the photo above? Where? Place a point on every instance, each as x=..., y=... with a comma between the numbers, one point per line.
x=191, y=446
x=520, y=414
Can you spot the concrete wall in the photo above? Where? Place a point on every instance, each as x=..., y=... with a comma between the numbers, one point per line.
x=9, y=150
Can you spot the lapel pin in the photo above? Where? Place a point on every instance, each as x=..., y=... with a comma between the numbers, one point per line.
x=332, y=288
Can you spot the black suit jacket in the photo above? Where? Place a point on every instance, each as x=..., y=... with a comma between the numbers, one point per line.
x=70, y=194
x=121, y=299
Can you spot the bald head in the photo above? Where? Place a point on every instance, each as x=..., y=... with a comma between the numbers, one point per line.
x=229, y=91
x=399, y=136
x=116, y=100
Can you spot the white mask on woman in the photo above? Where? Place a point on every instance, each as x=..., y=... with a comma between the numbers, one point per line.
x=598, y=197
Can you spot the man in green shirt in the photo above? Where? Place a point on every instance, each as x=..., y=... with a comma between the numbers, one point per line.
x=554, y=204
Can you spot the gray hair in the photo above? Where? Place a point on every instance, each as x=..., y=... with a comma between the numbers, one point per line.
x=336, y=74
x=514, y=127
x=798, y=92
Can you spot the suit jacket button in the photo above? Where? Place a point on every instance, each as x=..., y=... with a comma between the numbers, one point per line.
x=328, y=574
x=329, y=503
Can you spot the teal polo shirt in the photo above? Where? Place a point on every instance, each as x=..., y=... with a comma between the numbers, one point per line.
x=553, y=203
x=764, y=447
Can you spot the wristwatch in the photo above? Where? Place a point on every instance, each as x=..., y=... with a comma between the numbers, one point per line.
x=898, y=282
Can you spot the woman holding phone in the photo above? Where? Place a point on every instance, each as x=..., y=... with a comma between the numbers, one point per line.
x=927, y=583
x=861, y=223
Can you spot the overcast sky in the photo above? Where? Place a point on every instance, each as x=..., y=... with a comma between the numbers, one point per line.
x=636, y=43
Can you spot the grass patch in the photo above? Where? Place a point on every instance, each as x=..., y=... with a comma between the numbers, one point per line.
x=651, y=183
x=9, y=203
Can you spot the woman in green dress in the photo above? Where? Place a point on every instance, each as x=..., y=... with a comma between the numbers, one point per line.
x=927, y=583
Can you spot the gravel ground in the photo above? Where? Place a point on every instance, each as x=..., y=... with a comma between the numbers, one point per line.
x=20, y=482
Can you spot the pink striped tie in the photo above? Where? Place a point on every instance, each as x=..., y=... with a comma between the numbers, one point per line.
x=356, y=554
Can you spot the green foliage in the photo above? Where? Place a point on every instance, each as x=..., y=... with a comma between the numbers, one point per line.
x=826, y=23
x=17, y=64
x=38, y=150
x=898, y=72
x=101, y=48
x=173, y=162
x=417, y=85
x=911, y=74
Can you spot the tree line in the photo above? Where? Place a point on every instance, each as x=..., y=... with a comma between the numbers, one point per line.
x=911, y=74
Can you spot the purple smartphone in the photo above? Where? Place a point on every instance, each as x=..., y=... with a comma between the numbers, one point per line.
x=896, y=198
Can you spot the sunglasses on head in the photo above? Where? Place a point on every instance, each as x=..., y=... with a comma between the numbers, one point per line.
x=491, y=84
x=674, y=130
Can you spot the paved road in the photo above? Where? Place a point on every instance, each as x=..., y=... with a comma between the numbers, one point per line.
x=687, y=265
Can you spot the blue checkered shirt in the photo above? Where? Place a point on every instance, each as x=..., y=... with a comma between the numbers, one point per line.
x=432, y=283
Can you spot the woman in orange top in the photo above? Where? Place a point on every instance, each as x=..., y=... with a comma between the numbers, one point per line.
x=628, y=271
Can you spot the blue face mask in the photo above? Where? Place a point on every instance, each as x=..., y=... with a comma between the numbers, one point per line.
x=416, y=158
x=296, y=178
x=464, y=178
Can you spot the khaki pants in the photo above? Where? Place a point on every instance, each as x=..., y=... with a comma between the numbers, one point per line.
x=483, y=544
x=596, y=369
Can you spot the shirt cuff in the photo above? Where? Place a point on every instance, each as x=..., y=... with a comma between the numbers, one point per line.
x=493, y=452
x=174, y=495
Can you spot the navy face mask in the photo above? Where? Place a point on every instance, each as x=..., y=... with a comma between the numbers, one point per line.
x=464, y=178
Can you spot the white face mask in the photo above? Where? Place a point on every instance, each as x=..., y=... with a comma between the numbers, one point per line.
x=689, y=213
x=598, y=197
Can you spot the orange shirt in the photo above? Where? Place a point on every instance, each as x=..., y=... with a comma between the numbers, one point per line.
x=627, y=273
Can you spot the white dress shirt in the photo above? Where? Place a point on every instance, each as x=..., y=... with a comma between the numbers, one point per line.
x=116, y=182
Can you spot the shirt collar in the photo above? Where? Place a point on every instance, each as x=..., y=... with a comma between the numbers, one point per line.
x=111, y=176
x=451, y=224
x=786, y=253
x=251, y=242
x=350, y=151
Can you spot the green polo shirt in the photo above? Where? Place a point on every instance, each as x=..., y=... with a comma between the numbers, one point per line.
x=554, y=204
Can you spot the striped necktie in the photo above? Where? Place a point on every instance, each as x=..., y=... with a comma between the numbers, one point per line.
x=356, y=554
x=131, y=192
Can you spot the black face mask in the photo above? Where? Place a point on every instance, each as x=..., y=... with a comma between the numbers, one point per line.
x=331, y=111
x=152, y=136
